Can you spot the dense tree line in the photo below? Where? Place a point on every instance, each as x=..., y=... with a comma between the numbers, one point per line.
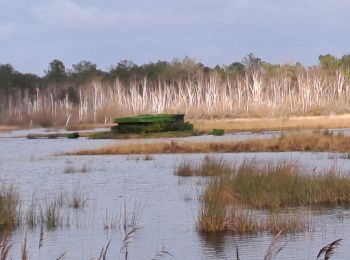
x=67, y=81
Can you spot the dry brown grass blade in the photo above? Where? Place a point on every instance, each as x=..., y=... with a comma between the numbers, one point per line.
x=329, y=249
x=274, y=247
x=103, y=254
x=5, y=247
x=162, y=253
x=237, y=253
x=312, y=141
x=41, y=238
x=126, y=241
x=62, y=255
x=25, y=255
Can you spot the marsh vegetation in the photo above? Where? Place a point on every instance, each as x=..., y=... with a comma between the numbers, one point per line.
x=239, y=192
x=315, y=141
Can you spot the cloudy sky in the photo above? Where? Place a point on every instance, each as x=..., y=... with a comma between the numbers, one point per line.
x=34, y=32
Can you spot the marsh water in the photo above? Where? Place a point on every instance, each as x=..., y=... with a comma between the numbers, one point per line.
x=166, y=205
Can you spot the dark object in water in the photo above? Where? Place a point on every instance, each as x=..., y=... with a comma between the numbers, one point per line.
x=151, y=124
x=73, y=135
x=43, y=136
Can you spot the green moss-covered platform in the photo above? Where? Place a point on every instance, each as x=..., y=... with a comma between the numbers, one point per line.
x=150, y=118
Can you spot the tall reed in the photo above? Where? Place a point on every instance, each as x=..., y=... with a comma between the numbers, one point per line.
x=263, y=185
x=9, y=207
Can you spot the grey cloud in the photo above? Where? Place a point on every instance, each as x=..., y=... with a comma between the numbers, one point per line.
x=7, y=30
x=214, y=32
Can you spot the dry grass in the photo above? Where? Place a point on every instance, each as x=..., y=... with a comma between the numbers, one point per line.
x=329, y=250
x=238, y=221
x=5, y=246
x=316, y=141
x=6, y=128
x=270, y=186
x=208, y=167
x=281, y=123
x=9, y=207
x=277, y=185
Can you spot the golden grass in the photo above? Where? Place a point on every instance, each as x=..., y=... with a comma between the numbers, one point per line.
x=242, y=222
x=6, y=128
x=281, y=123
x=316, y=141
x=9, y=207
x=271, y=187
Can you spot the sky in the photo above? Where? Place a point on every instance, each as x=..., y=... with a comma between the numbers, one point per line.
x=34, y=32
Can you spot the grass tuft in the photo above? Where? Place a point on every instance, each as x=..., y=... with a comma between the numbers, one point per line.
x=270, y=187
x=9, y=207
x=78, y=199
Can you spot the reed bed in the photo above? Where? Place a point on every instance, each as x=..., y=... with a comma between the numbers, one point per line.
x=9, y=207
x=51, y=212
x=316, y=141
x=51, y=215
x=278, y=185
x=210, y=166
x=262, y=185
x=239, y=221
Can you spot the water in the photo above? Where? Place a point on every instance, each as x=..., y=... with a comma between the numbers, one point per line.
x=169, y=203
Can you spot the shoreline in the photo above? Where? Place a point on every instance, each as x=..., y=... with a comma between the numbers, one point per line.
x=271, y=124
x=234, y=125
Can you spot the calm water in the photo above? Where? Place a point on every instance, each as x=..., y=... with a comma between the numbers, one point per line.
x=169, y=203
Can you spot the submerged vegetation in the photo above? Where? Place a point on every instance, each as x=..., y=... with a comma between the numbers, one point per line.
x=238, y=192
x=71, y=168
x=316, y=141
x=250, y=88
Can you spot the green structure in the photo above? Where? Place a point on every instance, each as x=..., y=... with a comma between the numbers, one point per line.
x=152, y=124
x=218, y=131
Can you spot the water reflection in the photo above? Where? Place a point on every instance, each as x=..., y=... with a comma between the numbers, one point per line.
x=216, y=242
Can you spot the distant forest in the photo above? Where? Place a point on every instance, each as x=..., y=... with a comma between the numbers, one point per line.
x=249, y=88
x=126, y=71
